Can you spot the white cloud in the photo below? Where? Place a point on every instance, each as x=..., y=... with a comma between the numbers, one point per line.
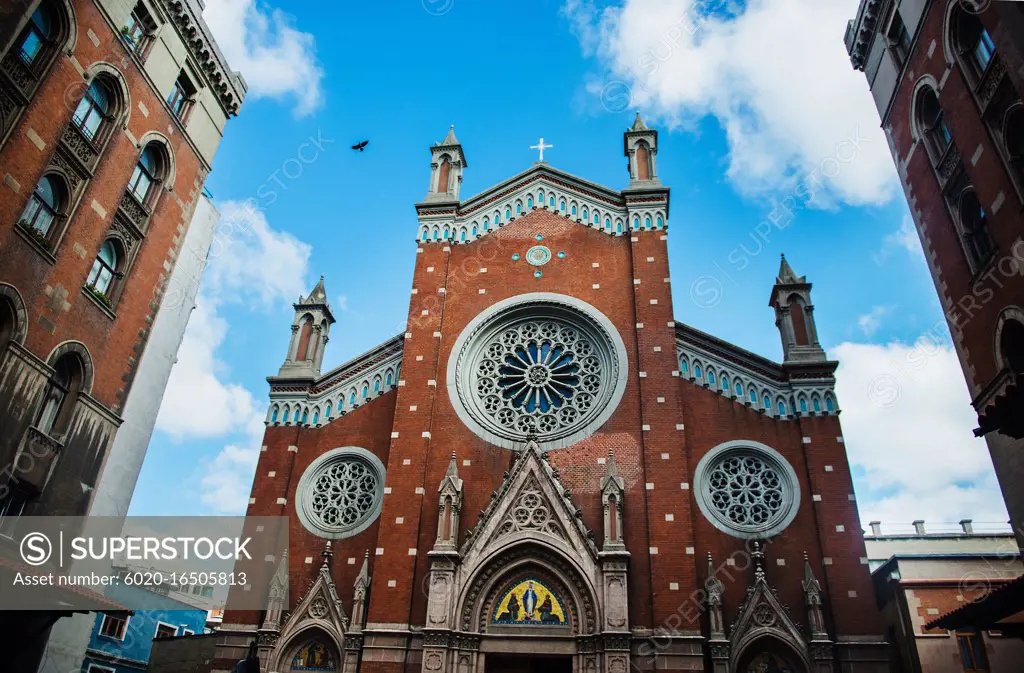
x=776, y=75
x=251, y=261
x=905, y=238
x=250, y=264
x=197, y=389
x=907, y=424
x=276, y=59
x=872, y=320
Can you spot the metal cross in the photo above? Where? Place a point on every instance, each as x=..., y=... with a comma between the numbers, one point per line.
x=541, y=146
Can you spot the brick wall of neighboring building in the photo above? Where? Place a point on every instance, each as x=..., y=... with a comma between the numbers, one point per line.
x=982, y=300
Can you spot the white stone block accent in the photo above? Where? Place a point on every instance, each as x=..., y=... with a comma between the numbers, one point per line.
x=412, y=551
x=308, y=560
x=673, y=586
x=690, y=551
x=649, y=486
x=379, y=551
x=394, y=435
x=828, y=468
x=670, y=517
x=652, y=550
x=272, y=474
x=399, y=520
x=419, y=490
x=387, y=490
x=282, y=501
x=684, y=486
x=840, y=528
x=816, y=498
x=806, y=440
x=392, y=584
x=407, y=461
x=425, y=434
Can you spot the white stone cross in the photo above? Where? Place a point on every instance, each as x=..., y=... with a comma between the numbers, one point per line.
x=541, y=146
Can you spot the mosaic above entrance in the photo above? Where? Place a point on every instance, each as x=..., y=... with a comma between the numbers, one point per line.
x=530, y=603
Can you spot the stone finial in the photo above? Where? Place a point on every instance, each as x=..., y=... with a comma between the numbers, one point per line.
x=453, y=468
x=876, y=527
x=919, y=526
x=967, y=525
x=758, y=556
x=328, y=553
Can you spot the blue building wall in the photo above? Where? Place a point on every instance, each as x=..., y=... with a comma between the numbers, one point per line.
x=131, y=654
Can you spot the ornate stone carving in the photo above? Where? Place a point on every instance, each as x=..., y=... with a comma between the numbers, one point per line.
x=436, y=638
x=990, y=81
x=433, y=661
x=341, y=493
x=79, y=146
x=531, y=511
x=134, y=211
x=18, y=73
x=949, y=165
x=8, y=110
x=318, y=608
x=75, y=179
x=354, y=641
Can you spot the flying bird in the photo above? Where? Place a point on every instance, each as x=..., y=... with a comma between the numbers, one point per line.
x=361, y=146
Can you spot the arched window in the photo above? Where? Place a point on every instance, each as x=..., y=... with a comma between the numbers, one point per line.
x=376, y=385
x=586, y=215
x=753, y=395
x=447, y=234
x=684, y=366
x=973, y=43
x=738, y=390
x=607, y=224
x=390, y=379
x=8, y=324
x=487, y=224
x=540, y=197
x=287, y=412
x=37, y=39
x=830, y=404
x=305, y=334
x=551, y=201
x=529, y=202
x=474, y=231
x=366, y=390
x=316, y=417
x=519, y=207
x=573, y=211
x=1011, y=346
x=643, y=162
x=273, y=414
x=105, y=270
x=561, y=205
x=60, y=395
x=725, y=383
x=508, y=213
x=636, y=223
x=781, y=408
x=305, y=416
x=697, y=373
x=618, y=226
x=932, y=125
x=816, y=404
x=148, y=171
x=352, y=397
x=424, y=236
x=597, y=218
x=766, y=402
x=45, y=205
x=437, y=234
x=803, y=405
x=95, y=109
x=659, y=223
x=711, y=377
x=443, y=175
x=329, y=409
x=462, y=236
x=974, y=223
x=341, y=405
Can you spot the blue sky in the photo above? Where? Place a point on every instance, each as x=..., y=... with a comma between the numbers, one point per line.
x=748, y=121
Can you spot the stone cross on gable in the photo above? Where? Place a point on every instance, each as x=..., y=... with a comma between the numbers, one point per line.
x=541, y=146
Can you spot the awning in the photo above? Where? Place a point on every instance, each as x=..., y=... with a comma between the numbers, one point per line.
x=1001, y=609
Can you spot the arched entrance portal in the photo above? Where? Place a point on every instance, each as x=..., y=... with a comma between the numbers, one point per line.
x=769, y=655
x=311, y=651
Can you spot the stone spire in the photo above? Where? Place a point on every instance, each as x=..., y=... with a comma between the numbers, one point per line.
x=640, y=146
x=794, y=317
x=449, y=509
x=613, y=490
x=638, y=123
x=359, y=589
x=311, y=328
x=447, y=161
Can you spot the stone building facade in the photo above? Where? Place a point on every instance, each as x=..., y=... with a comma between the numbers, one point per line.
x=547, y=470
x=947, y=77
x=111, y=112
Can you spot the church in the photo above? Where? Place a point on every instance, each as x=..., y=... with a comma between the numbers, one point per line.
x=547, y=471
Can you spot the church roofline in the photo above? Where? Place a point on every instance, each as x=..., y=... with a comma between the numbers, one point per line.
x=356, y=365
x=768, y=368
x=612, y=197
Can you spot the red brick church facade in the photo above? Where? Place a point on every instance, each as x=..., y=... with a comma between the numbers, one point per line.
x=547, y=463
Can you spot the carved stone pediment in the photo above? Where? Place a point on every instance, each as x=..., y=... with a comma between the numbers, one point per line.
x=319, y=607
x=532, y=500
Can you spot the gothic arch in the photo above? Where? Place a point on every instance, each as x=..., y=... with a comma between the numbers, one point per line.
x=20, y=330
x=517, y=558
x=313, y=629
x=771, y=640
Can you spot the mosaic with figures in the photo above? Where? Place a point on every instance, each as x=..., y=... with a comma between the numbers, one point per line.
x=314, y=656
x=529, y=602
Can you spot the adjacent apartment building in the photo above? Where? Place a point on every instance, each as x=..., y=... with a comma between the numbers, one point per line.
x=111, y=112
x=947, y=77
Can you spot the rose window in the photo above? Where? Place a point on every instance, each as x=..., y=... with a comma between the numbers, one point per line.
x=541, y=369
x=747, y=490
x=340, y=493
